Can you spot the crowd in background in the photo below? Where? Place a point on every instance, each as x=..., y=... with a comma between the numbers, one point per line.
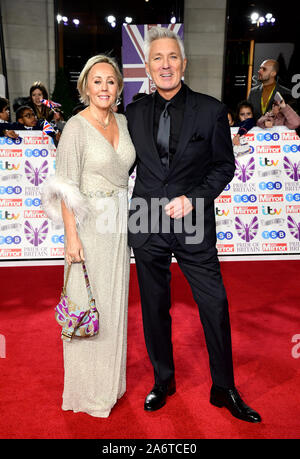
x=35, y=112
x=267, y=106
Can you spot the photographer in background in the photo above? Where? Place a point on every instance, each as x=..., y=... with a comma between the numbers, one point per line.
x=281, y=114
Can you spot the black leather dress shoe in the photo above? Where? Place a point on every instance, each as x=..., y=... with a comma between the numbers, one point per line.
x=158, y=395
x=231, y=399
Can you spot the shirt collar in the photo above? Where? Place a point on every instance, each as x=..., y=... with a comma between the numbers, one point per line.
x=177, y=101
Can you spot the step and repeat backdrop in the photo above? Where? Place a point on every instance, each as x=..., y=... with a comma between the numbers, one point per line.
x=25, y=231
x=258, y=213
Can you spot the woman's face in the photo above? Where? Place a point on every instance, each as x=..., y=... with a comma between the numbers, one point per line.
x=37, y=96
x=102, y=86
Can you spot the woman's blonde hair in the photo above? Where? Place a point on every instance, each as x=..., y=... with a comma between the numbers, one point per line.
x=82, y=80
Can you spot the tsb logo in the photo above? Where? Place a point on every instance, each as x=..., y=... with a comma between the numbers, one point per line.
x=10, y=190
x=221, y=235
x=292, y=197
x=245, y=198
x=9, y=141
x=32, y=202
x=273, y=234
x=268, y=137
x=36, y=152
x=270, y=185
x=10, y=240
x=57, y=239
x=291, y=148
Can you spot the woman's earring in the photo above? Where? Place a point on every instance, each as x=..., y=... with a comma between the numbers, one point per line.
x=117, y=102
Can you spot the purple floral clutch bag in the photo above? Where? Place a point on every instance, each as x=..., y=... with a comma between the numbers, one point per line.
x=74, y=320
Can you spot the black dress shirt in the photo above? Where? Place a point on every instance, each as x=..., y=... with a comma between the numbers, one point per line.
x=176, y=111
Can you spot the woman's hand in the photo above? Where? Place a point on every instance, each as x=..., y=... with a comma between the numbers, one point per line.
x=269, y=123
x=74, y=250
x=282, y=104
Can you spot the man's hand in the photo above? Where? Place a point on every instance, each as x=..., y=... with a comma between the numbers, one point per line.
x=179, y=207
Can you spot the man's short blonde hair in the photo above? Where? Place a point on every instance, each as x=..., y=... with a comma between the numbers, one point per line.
x=155, y=33
x=82, y=80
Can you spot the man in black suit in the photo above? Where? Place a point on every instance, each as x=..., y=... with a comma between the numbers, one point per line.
x=184, y=161
x=262, y=96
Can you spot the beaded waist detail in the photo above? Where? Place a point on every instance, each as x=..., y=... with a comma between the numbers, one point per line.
x=104, y=194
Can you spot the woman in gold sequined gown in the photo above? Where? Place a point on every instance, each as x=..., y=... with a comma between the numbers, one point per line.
x=89, y=194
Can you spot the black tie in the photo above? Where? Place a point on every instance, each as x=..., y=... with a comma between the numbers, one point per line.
x=163, y=136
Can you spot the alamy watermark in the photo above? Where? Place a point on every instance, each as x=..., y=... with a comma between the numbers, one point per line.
x=296, y=347
x=296, y=87
x=2, y=347
x=148, y=216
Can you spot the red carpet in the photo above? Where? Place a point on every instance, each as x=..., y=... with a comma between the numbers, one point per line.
x=265, y=315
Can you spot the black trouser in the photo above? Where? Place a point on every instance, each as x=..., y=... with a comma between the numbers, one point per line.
x=202, y=270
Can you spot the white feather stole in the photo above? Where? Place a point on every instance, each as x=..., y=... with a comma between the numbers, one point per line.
x=57, y=188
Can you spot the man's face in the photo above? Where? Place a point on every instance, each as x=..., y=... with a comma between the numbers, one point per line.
x=28, y=118
x=266, y=72
x=166, y=66
x=4, y=115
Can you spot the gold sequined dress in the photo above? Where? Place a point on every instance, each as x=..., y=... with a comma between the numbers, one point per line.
x=92, y=179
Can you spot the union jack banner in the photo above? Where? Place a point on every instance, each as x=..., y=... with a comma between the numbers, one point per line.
x=133, y=58
x=50, y=103
x=47, y=128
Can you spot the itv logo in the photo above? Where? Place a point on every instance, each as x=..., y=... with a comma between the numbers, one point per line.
x=268, y=162
x=221, y=212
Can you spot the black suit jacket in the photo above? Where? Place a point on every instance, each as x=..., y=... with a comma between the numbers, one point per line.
x=255, y=98
x=201, y=168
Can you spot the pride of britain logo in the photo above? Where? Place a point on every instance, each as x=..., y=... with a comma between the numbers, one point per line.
x=294, y=227
x=246, y=231
x=244, y=172
x=292, y=169
x=36, y=235
x=35, y=175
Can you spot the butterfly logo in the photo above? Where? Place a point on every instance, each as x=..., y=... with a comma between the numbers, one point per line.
x=34, y=175
x=246, y=231
x=36, y=236
x=294, y=227
x=244, y=172
x=291, y=169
